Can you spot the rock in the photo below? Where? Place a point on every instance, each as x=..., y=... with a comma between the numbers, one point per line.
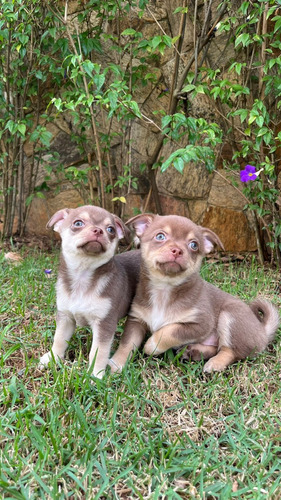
x=67, y=150
x=193, y=183
x=232, y=227
x=197, y=209
x=171, y=205
x=42, y=210
x=224, y=194
x=175, y=206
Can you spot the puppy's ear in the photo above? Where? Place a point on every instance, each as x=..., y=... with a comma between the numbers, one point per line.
x=210, y=240
x=58, y=219
x=140, y=223
x=123, y=232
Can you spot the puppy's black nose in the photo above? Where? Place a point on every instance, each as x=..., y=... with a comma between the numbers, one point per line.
x=97, y=230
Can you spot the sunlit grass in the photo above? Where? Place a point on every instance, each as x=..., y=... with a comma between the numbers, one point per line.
x=160, y=430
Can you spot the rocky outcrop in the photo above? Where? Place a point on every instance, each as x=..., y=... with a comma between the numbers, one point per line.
x=209, y=199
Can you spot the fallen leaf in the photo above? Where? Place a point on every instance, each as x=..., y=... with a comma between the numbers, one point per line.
x=14, y=257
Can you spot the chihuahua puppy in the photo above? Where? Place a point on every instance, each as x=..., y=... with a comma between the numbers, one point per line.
x=94, y=287
x=180, y=308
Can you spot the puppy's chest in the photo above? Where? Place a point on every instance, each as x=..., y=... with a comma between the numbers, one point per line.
x=159, y=310
x=84, y=298
x=162, y=309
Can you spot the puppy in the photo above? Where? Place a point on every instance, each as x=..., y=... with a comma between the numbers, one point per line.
x=94, y=287
x=180, y=308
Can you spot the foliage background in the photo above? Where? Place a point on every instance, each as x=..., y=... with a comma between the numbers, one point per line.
x=214, y=67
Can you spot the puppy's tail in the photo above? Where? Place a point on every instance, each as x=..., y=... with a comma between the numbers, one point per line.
x=268, y=315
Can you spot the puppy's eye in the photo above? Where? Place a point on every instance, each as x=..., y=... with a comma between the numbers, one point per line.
x=160, y=237
x=78, y=223
x=193, y=245
x=110, y=230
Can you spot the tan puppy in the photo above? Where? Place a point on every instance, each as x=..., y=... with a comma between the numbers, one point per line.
x=94, y=287
x=180, y=308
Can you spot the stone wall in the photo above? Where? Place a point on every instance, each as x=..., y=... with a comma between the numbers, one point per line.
x=208, y=199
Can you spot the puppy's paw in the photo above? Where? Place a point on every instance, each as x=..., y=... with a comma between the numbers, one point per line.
x=46, y=358
x=190, y=353
x=115, y=367
x=97, y=371
x=197, y=352
x=225, y=357
x=214, y=365
x=99, y=374
x=150, y=347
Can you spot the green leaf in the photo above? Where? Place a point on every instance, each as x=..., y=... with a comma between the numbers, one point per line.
x=167, y=40
x=156, y=41
x=243, y=113
x=238, y=68
x=11, y=126
x=180, y=9
x=135, y=108
x=179, y=164
x=252, y=118
x=171, y=158
x=166, y=120
x=188, y=88
x=216, y=91
x=128, y=31
x=262, y=131
x=29, y=200
x=22, y=128
x=267, y=138
x=277, y=24
x=99, y=80
x=244, y=39
x=88, y=66
x=40, y=195
x=45, y=137
x=260, y=121
x=200, y=89
x=39, y=75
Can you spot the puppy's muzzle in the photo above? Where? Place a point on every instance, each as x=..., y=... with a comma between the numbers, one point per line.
x=171, y=261
x=96, y=243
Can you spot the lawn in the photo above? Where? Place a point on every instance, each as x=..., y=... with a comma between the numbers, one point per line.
x=160, y=430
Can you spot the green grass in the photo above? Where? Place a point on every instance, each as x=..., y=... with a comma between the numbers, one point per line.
x=160, y=430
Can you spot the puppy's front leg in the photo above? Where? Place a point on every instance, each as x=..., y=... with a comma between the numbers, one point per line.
x=103, y=334
x=99, y=354
x=173, y=335
x=225, y=357
x=64, y=331
x=132, y=338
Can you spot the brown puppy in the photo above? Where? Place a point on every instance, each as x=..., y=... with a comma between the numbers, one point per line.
x=180, y=308
x=94, y=287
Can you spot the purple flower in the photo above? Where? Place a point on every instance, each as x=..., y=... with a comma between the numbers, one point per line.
x=47, y=272
x=249, y=174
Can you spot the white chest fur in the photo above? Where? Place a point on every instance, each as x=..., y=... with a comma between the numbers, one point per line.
x=84, y=300
x=162, y=311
